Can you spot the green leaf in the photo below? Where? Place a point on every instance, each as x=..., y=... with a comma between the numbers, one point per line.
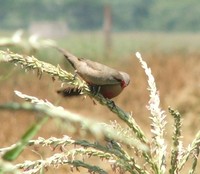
x=29, y=134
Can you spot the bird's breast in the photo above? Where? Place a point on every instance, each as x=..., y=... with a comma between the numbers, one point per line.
x=110, y=91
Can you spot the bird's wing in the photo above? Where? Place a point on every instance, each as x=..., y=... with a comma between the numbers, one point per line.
x=92, y=72
x=98, y=74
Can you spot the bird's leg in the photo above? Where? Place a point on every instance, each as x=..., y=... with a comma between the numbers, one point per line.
x=95, y=89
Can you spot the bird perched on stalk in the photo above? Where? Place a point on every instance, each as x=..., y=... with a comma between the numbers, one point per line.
x=100, y=78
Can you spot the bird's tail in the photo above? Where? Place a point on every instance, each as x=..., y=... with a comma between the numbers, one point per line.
x=69, y=92
x=69, y=56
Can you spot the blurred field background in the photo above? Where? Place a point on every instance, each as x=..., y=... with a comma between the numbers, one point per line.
x=173, y=56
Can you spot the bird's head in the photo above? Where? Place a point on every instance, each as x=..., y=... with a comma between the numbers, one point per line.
x=125, y=79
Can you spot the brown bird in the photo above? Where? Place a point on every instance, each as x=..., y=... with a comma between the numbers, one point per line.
x=101, y=78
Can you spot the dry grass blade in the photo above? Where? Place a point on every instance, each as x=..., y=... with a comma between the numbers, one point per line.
x=96, y=129
x=158, y=121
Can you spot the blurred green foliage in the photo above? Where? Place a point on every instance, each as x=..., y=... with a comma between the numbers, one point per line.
x=146, y=15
